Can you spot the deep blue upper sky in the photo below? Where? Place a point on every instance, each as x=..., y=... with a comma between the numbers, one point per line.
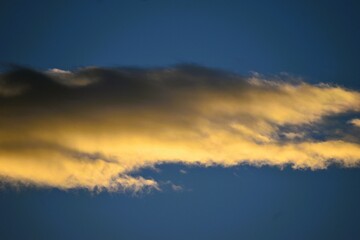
x=318, y=40
x=315, y=40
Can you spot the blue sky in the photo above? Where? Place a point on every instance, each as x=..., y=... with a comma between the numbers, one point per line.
x=315, y=40
x=318, y=41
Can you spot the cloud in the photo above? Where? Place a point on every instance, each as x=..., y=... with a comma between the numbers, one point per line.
x=355, y=122
x=94, y=127
x=176, y=187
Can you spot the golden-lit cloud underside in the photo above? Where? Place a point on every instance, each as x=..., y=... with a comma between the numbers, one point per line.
x=92, y=128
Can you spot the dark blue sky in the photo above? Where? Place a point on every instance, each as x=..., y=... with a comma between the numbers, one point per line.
x=315, y=40
x=318, y=41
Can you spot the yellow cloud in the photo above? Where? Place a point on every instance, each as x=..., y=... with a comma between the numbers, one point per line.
x=355, y=122
x=60, y=133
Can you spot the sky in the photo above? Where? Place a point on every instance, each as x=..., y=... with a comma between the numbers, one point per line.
x=179, y=119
